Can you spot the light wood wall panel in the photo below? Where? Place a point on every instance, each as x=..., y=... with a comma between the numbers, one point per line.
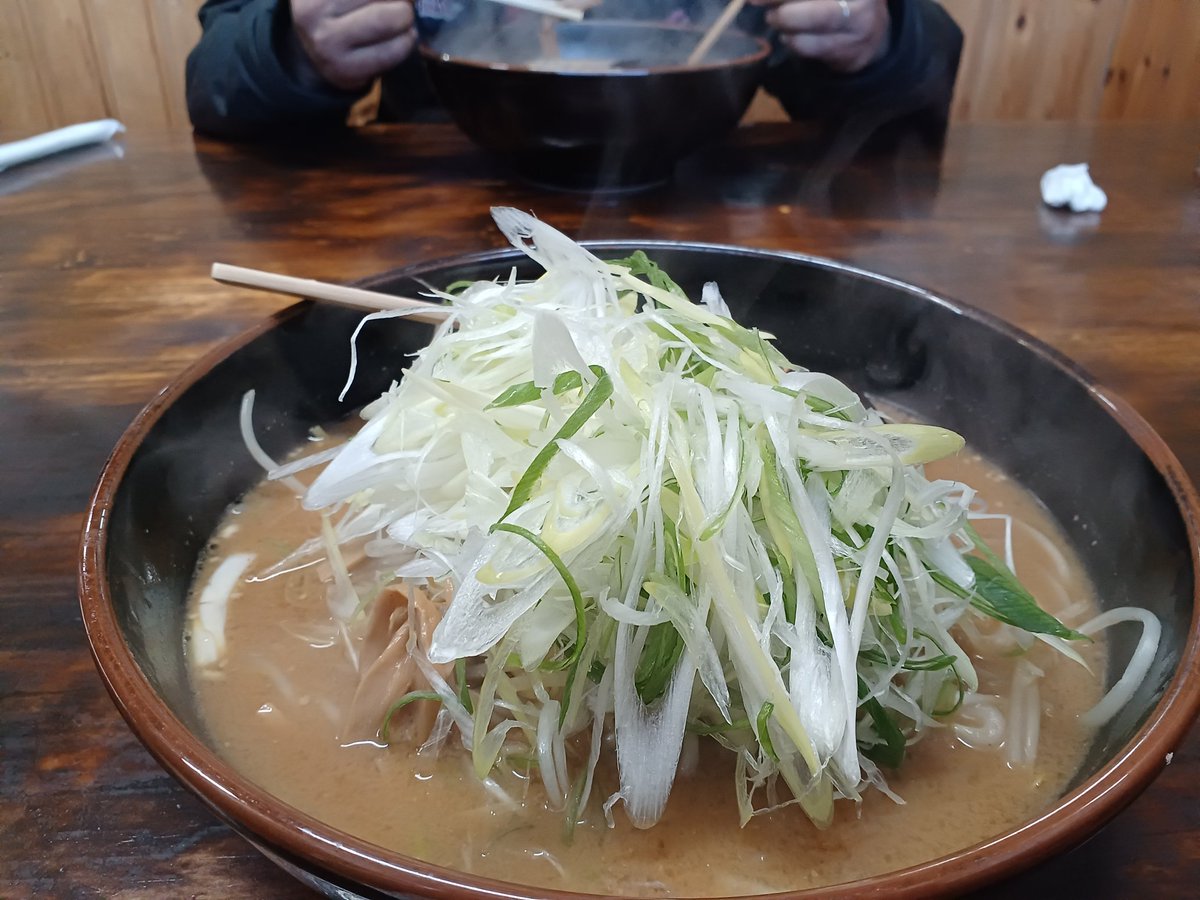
x=64, y=61
x=175, y=33
x=128, y=56
x=61, y=45
x=1154, y=72
x=1035, y=59
x=22, y=105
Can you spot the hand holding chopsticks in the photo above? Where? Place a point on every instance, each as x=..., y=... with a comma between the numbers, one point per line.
x=845, y=35
x=347, y=43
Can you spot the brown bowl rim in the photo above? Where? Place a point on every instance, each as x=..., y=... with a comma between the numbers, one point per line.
x=748, y=59
x=1076, y=815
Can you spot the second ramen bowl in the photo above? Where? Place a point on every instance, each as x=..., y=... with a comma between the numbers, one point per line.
x=602, y=106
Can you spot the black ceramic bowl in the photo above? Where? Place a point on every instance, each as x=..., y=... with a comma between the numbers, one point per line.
x=182, y=463
x=574, y=129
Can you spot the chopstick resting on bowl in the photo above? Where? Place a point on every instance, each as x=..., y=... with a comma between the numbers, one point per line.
x=546, y=7
x=728, y=14
x=359, y=298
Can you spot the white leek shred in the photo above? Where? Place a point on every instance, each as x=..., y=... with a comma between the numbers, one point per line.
x=212, y=609
x=246, y=423
x=1139, y=663
x=758, y=557
x=1024, y=714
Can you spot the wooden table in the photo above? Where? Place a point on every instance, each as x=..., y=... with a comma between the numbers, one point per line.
x=105, y=296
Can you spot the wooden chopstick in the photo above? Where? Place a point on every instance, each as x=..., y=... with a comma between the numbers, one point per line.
x=331, y=293
x=715, y=30
x=546, y=7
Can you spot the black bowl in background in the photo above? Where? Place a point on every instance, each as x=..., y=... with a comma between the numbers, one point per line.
x=620, y=129
x=1103, y=473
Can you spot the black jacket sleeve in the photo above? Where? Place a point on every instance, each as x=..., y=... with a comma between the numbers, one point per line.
x=915, y=76
x=239, y=82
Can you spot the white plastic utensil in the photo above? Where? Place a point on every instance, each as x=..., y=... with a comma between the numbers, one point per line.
x=58, y=141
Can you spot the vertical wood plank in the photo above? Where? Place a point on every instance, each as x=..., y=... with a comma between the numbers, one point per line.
x=1075, y=47
x=127, y=59
x=1025, y=59
x=1155, y=68
x=22, y=107
x=973, y=17
x=61, y=46
x=176, y=31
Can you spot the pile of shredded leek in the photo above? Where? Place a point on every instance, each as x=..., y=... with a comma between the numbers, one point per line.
x=655, y=525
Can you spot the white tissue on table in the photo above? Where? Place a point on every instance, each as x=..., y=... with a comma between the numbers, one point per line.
x=1072, y=186
x=57, y=141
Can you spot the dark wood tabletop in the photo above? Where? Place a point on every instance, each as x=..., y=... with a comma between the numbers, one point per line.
x=105, y=297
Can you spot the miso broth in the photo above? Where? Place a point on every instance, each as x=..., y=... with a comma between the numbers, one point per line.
x=275, y=703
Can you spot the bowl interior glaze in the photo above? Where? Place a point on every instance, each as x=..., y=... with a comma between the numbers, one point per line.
x=1115, y=488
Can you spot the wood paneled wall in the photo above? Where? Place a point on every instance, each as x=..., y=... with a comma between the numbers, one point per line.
x=1078, y=59
x=64, y=61
x=1154, y=71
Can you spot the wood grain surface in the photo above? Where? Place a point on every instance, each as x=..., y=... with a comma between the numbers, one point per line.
x=105, y=296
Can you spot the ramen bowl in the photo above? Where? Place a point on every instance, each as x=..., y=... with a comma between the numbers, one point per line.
x=606, y=106
x=183, y=462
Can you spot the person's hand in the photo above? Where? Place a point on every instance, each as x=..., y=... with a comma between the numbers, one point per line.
x=348, y=43
x=846, y=35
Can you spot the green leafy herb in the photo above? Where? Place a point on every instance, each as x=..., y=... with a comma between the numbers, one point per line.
x=457, y=287
x=595, y=398
x=413, y=697
x=657, y=662
x=998, y=594
x=764, y=733
x=464, y=692
x=1001, y=596
x=576, y=598
x=890, y=753
x=643, y=266
x=928, y=664
x=528, y=392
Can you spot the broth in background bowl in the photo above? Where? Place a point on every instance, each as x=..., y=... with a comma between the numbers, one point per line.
x=183, y=463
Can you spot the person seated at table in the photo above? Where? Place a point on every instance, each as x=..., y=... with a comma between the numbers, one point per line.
x=262, y=66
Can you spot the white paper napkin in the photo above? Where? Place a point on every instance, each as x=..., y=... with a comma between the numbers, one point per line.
x=57, y=141
x=1072, y=187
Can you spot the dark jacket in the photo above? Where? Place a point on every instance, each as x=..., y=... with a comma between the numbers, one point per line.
x=242, y=79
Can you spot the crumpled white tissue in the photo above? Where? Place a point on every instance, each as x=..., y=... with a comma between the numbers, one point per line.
x=1072, y=186
x=57, y=141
